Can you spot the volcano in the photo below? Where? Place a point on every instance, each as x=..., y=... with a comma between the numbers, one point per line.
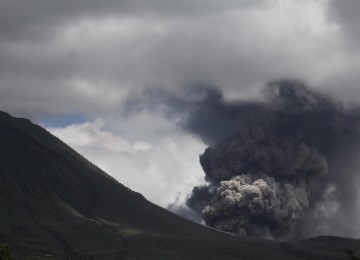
x=55, y=204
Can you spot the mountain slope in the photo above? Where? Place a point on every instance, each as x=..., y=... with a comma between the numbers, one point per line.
x=57, y=205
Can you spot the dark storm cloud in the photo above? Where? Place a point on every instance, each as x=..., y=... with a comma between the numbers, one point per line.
x=343, y=15
x=56, y=52
x=91, y=52
x=271, y=165
x=346, y=14
x=38, y=18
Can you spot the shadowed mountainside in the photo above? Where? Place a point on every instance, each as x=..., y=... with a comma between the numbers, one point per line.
x=57, y=205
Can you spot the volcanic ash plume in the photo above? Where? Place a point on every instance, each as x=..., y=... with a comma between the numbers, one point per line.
x=246, y=197
x=270, y=168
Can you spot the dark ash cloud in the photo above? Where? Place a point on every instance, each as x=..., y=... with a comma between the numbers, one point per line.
x=271, y=165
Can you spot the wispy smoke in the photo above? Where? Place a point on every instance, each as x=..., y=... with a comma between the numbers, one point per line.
x=281, y=168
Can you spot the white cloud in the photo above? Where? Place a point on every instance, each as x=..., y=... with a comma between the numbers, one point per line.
x=163, y=170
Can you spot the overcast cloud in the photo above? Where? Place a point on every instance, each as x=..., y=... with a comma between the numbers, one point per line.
x=84, y=59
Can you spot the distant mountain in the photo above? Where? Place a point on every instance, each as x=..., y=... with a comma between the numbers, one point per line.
x=55, y=204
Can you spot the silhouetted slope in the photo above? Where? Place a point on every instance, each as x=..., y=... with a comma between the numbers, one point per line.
x=55, y=204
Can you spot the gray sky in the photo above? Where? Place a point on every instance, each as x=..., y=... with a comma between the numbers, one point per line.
x=73, y=65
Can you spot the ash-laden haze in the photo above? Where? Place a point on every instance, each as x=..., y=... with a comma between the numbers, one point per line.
x=285, y=167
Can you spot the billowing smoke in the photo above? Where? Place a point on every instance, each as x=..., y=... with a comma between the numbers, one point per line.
x=282, y=168
x=245, y=198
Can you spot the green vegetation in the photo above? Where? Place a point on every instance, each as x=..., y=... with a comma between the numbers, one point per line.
x=5, y=252
x=352, y=255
